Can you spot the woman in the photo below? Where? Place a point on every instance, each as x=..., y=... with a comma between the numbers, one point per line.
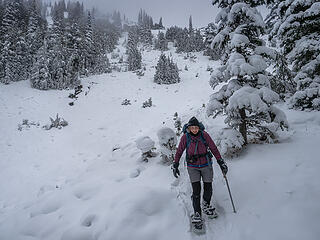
x=200, y=148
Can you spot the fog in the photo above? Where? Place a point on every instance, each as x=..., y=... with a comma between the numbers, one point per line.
x=173, y=12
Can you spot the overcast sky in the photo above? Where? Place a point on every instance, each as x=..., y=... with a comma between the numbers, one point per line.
x=173, y=12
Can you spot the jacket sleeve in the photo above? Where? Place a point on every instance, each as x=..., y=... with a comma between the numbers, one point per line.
x=212, y=146
x=181, y=148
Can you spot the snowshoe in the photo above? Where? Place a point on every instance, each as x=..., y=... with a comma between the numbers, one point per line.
x=209, y=210
x=197, y=223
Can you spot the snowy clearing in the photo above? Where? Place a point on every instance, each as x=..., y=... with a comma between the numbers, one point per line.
x=85, y=181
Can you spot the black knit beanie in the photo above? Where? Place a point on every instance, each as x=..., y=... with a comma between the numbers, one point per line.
x=193, y=122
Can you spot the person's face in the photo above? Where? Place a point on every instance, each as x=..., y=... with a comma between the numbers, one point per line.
x=194, y=129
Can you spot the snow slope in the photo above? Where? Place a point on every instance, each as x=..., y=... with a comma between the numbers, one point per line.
x=85, y=181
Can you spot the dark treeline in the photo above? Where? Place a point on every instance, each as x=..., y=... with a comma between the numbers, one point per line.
x=52, y=45
x=186, y=40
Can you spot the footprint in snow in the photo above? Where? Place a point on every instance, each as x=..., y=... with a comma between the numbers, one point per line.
x=85, y=193
x=136, y=172
x=88, y=220
x=47, y=208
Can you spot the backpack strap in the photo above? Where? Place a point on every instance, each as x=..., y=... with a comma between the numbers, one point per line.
x=208, y=153
x=203, y=139
x=188, y=144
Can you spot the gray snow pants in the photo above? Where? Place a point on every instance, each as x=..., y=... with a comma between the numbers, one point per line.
x=206, y=173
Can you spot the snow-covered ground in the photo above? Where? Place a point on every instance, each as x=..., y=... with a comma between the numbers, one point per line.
x=85, y=181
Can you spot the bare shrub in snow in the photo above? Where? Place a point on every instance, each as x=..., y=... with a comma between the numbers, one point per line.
x=146, y=145
x=77, y=91
x=168, y=143
x=140, y=73
x=26, y=124
x=147, y=103
x=209, y=69
x=56, y=123
x=126, y=102
x=229, y=141
x=177, y=124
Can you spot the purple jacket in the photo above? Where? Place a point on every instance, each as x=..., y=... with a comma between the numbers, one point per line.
x=201, y=149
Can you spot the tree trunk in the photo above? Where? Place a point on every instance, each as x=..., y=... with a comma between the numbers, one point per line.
x=243, y=125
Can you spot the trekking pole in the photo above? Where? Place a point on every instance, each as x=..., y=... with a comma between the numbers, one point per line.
x=225, y=177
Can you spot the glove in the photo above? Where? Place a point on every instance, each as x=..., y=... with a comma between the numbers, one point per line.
x=175, y=169
x=223, y=166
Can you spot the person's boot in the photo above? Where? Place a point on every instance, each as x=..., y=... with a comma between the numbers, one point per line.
x=209, y=210
x=196, y=218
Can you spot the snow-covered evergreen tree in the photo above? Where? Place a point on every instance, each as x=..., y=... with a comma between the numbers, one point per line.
x=246, y=97
x=172, y=33
x=40, y=76
x=116, y=18
x=182, y=41
x=298, y=31
x=282, y=80
x=103, y=64
x=145, y=35
x=160, y=22
x=134, y=55
x=197, y=42
x=57, y=56
x=89, y=50
x=146, y=145
x=133, y=36
x=134, y=58
x=168, y=142
x=161, y=43
x=13, y=52
x=35, y=32
x=190, y=25
x=210, y=33
x=187, y=41
x=145, y=20
x=166, y=71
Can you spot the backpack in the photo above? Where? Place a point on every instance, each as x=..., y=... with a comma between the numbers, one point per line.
x=208, y=154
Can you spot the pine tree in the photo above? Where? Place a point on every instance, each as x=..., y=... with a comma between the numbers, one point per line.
x=161, y=43
x=40, y=76
x=166, y=71
x=160, y=23
x=298, y=31
x=182, y=41
x=134, y=58
x=57, y=55
x=210, y=33
x=35, y=34
x=246, y=98
x=134, y=55
x=282, y=79
x=172, y=33
x=116, y=18
x=13, y=62
x=190, y=25
x=89, y=53
x=133, y=36
x=145, y=35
